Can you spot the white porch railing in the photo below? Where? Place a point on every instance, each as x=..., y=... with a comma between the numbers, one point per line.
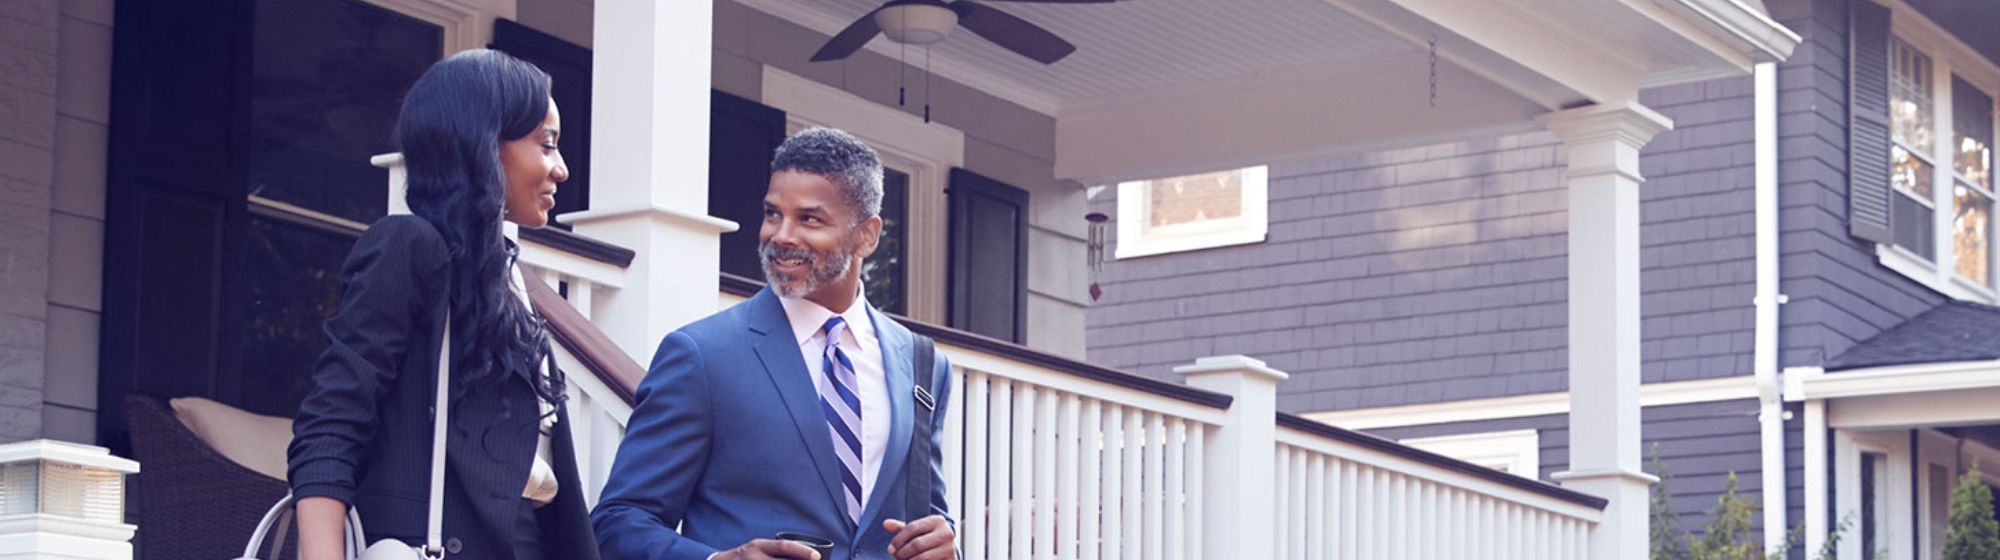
x=1050, y=458
x=1340, y=500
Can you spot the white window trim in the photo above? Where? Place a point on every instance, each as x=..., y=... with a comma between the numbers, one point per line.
x=1516, y=452
x=927, y=151
x=1136, y=238
x=1948, y=57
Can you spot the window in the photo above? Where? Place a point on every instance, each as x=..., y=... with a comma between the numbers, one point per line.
x=1910, y=126
x=1191, y=212
x=1515, y=452
x=1941, y=128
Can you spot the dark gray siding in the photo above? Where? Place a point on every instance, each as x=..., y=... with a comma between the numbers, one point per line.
x=1438, y=273
x=1839, y=293
x=1700, y=444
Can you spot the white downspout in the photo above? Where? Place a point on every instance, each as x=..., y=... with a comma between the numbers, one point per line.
x=1770, y=415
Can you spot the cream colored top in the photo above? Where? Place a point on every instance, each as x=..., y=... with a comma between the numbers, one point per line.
x=542, y=483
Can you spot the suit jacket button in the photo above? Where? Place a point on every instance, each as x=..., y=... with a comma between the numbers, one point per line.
x=452, y=545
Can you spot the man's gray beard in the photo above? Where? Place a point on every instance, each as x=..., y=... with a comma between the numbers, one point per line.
x=819, y=271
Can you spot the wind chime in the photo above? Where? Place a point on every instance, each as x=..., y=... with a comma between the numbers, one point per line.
x=1095, y=254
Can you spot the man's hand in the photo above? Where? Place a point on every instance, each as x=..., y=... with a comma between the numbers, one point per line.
x=768, y=549
x=929, y=538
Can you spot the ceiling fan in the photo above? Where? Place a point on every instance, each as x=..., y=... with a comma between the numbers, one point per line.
x=922, y=22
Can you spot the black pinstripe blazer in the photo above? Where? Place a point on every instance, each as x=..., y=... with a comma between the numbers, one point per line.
x=363, y=435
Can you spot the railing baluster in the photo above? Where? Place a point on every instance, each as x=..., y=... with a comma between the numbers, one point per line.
x=1315, y=515
x=999, y=489
x=1197, y=450
x=1349, y=497
x=1067, y=475
x=1114, y=484
x=1090, y=522
x=978, y=420
x=1176, y=497
x=1022, y=503
x=1298, y=505
x=1155, y=483
x=1133, y=508
x=1044, y=515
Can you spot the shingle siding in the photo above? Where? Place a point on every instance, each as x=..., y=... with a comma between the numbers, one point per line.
x=1839, y=293
x=1438, y=273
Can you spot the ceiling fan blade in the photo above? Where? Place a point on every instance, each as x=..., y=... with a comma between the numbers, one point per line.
x=849, y=40
x=1057, y=1
x=1014, y=33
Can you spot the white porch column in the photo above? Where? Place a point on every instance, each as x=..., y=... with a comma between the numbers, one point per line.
x=1240, y=459
x=1603, y=143
x=649, y=142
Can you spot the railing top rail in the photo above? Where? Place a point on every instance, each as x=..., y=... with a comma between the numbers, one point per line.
x=580, y=245
x=590, y=346
x=746, y=287
x=1383, y=445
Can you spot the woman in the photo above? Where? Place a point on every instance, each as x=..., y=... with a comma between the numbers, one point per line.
x=478, y=133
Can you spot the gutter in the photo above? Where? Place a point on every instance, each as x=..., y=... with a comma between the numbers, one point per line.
x=1746, y=29
x=1770, y=392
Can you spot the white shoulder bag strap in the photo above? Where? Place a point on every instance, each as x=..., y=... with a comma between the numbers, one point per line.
x=433, y=535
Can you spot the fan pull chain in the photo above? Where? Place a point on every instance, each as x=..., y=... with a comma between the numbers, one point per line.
x=902, y=65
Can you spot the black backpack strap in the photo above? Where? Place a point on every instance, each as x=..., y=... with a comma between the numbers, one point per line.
x=917, y=467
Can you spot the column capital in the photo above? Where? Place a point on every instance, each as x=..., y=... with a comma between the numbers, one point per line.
x=1233, y=363
x=1626, y=122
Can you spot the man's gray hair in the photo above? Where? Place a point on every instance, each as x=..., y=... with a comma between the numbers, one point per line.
x=841, y=159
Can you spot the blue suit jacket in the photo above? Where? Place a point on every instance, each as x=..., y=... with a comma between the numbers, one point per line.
x=727, y=443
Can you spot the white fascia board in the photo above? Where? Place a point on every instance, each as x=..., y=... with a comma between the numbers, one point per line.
x=1749, y=33
x=1541, y=404
x=1813, y=383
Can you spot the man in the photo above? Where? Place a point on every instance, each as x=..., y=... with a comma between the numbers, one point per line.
x=792, y=411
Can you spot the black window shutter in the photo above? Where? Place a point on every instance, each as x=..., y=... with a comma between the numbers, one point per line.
x=1868, y=195
x=568, y=65
x=989, y=257
x=743, y=135
x=175, y=192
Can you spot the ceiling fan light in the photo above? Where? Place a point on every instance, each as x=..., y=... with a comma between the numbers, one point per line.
x=916, y=24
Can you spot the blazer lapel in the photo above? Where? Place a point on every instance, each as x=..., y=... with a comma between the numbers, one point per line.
x=779, y=353
x=896, y=367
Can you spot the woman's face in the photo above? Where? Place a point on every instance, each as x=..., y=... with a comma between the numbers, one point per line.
x=533, y=166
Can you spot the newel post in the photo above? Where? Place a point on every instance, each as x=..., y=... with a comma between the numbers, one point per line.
x=1240, y=458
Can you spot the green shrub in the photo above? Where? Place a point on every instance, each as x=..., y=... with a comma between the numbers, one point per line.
x=1974, y=535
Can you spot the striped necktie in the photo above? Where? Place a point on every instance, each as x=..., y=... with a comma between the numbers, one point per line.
x=841, y=402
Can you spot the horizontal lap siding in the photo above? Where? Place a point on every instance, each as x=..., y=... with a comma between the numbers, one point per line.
x=1438, y=273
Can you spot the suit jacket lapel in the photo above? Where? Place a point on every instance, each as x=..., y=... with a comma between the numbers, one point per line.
x=779, y=353
x=896, y=367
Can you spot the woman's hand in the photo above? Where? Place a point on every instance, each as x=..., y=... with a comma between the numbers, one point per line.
x=322, y=528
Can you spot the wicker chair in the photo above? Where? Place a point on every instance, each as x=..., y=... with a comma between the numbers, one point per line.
x=196, y=504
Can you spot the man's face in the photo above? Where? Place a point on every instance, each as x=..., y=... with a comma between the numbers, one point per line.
x=810, y=238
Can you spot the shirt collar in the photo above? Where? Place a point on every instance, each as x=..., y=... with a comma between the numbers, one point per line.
x=808, y=317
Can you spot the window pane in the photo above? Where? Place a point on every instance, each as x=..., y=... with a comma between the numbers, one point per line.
x=883, y=273
x=1910, y=174
x=1972, y=133
x=1969, y=230
x=319, y=108
x=294, y=283
x=1196, y=198
x=1910, y=116
x=1914, y=225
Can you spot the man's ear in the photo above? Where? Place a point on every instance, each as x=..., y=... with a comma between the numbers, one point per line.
x=870, y=232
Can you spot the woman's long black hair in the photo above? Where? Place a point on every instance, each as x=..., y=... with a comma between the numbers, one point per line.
x=450, y=130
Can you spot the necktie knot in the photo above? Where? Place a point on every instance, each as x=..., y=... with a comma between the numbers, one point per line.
x=833, y=329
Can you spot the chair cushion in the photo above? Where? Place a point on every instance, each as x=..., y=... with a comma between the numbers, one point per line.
x=255, y=441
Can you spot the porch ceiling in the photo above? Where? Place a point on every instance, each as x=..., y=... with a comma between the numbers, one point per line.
x=1214, y=84
x=1130, y=46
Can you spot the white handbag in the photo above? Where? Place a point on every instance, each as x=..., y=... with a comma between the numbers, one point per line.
x=278, y=520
